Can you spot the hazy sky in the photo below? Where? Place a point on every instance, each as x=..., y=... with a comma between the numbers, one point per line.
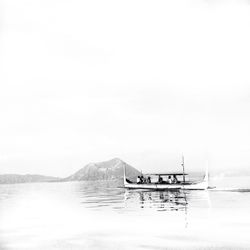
x=84, y=81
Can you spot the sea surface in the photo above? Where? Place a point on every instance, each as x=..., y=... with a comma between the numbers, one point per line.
x=100, y=215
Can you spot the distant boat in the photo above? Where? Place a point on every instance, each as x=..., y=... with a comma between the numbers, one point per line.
x=172, y=182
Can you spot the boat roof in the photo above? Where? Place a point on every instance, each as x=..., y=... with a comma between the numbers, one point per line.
x=167, y=174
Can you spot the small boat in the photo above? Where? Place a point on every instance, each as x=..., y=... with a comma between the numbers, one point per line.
x=164, y=185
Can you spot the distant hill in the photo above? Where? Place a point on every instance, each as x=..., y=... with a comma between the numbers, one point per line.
x=106, y=170
x=17, y=178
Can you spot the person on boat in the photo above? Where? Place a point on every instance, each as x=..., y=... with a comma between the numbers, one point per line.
x=142, y=179
x=160, y=180
x=170, y=180
x=149, y=179
x=138, y=180
x=175, y=180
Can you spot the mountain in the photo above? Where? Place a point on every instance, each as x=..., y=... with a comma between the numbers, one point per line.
x=17, y=178
x=107, y=170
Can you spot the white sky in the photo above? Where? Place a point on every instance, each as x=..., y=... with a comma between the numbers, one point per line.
x=84, y=81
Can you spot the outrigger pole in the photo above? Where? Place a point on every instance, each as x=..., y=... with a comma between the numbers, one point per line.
x=183, y=168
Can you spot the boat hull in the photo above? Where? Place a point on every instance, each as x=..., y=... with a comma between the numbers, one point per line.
x=153, y=186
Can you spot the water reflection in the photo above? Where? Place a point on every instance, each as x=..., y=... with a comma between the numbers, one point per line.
x=181, y=206
x=103, y=195
x=159, y=200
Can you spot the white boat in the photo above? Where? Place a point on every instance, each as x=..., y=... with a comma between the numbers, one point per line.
x=183, y=184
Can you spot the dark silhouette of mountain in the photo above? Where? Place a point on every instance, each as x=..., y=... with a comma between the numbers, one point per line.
x=17, y=178
x=107, y=170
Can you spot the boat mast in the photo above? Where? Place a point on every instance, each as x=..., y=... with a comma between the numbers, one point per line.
x=183, y=168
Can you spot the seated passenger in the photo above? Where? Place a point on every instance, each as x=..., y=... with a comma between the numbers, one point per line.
x=160, y=180
x=138, y=180
x=169, y=180
x=149, y=179
x=175, y=179
x=143, y=179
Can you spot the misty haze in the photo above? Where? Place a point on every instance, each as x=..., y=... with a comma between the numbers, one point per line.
x=124, y=125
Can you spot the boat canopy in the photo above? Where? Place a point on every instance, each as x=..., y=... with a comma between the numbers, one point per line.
x=167, y=174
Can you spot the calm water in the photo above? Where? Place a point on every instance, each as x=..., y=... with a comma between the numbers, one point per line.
x=98, y=215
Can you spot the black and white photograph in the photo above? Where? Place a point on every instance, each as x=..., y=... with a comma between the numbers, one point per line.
x=124, y=125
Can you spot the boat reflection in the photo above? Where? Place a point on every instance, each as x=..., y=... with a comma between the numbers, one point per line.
x=166, y=200
x=100, y=195
x=160, y=200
